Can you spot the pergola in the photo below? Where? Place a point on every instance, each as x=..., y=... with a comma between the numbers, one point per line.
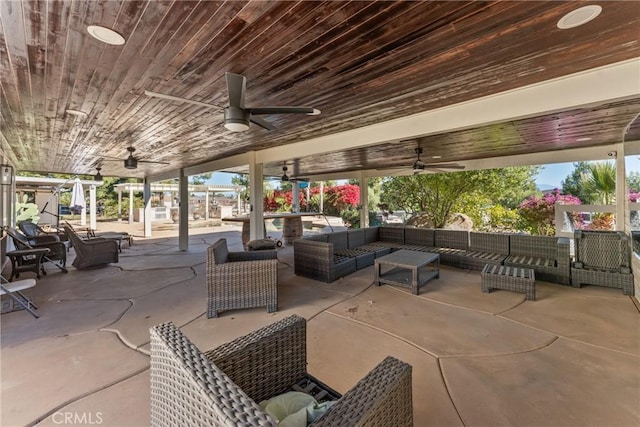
x=174, y=190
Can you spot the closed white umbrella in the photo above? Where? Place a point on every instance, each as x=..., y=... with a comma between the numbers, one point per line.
x=77, y=197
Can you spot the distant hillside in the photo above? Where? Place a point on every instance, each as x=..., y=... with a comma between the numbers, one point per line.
x=546, y=187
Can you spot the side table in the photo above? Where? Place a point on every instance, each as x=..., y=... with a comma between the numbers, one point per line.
x=27, y=260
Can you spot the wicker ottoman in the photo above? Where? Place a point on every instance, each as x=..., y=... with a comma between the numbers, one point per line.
x=515, y=279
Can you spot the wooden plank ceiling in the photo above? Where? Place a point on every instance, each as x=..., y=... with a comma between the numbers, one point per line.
x=361, y=63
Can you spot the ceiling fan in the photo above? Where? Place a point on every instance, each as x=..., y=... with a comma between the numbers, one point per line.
x=132, y=162
x=286, y=178
x=420, y=166
x=236, y=115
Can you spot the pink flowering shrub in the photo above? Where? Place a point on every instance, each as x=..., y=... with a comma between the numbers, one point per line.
x=634, y=196
x=538, y=213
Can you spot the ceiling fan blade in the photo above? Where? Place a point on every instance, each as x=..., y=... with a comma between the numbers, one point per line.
x=236, y=87
x=262, y=123
x=284, y=110
x=150, y=161
x=177, y=98
x=299, y=179
x=443, y=166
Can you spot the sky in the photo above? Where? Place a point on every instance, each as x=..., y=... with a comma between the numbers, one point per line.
x=551, y=176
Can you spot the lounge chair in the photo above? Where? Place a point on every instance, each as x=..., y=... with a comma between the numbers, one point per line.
x=223, y=386
x=29, y=249
x=92, y=253
x=31, y=229
x=89, y=234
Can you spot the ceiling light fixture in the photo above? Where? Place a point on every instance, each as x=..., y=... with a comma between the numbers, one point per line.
x=105, y=35
x=579, y=16
x=98, y=176
x=585, y=138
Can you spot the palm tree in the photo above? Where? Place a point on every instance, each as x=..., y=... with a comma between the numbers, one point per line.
x=599, y=181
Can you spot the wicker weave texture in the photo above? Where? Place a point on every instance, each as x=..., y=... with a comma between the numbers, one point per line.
x=251, y=281
x=221, y=386
x=420, y=237
x=339, y=240
x=188, y=390
x=391, y=234
x=603, y=258
x=453, y=239
x=318, y=261
x=603, y=250
x=507, y=278
x=355, y=238
x=277, y=355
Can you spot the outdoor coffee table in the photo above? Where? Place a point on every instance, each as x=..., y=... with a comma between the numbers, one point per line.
x=408, y=269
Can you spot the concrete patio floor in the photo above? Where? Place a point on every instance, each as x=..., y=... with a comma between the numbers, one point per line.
x=570, y=358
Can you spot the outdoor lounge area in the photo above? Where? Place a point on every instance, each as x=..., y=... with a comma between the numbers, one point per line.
x=568, y=358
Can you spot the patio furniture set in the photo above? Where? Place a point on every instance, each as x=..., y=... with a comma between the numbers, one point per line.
x=601, y=257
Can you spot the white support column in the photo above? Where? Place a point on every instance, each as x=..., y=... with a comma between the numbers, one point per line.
x=308, y=196
x=147, y=207
x=296, y=197
x=621, y=189
x=92, y=201
x=131, y=204
x=238, y=196
x=364, y=200
x=119, y=204
x=321, y=196
x=256, y=214
x=206, y=204
x=83, y=212
x=183, y=225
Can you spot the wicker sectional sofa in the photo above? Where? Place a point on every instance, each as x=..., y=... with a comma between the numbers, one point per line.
x=327, y=257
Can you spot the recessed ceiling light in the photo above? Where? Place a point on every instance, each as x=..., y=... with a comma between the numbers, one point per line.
x=436, y=157
x=585, y=138
x=105, y=35
x=580, y=16
x=78, y=113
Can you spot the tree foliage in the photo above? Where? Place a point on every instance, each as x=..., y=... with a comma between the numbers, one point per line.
x=440, y=195
x=538, y=213
x=572, y=184
x=599, y=182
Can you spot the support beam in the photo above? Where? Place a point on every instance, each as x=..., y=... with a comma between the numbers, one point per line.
x=364, y=200
x=183, y=225
x=256, y=214
x=92, y=202
x=147, y=207
x=206, y=205
x=119, y=205
x=131, y=205
x=621, y=189
x=296, y=197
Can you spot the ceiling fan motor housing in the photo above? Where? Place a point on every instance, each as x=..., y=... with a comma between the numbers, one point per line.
x=130, y=162
x=236, y=119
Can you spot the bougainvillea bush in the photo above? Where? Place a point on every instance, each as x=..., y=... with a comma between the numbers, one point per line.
x=538, y=213
x=336, y=199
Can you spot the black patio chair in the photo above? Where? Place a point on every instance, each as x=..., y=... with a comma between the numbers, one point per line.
x=29, y=249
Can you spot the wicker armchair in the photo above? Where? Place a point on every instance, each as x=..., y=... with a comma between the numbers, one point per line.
x=603, y=258
x=223, y=387
x=92, y=253
x=241, y=279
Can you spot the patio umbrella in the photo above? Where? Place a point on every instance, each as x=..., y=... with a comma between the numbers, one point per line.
x=77, y=197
